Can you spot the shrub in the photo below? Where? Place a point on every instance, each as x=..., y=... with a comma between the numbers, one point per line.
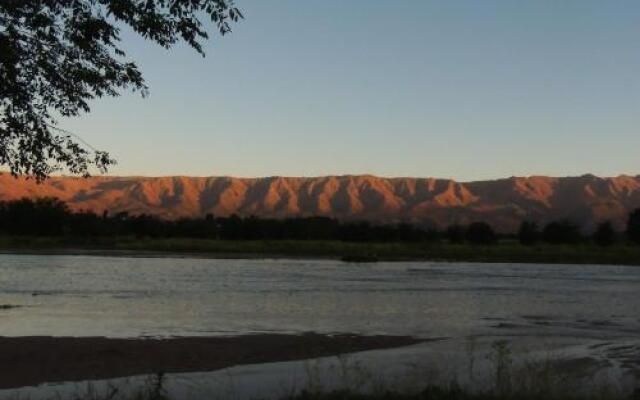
x=529, y=233
x=633, y=226
x=480, y=233
x=455, y=234
x=604, y=235
x=562, y=232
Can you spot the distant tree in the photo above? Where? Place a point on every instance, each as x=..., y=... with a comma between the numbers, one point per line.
x=633, y=226
x=146, y=225
x=529, y=233
x=357, y=231
x=604, y=235
x=480, y=233
x=232, y=227
x=57, y=55
x=210, y=227
x=455, y=234
x=52, y=217
x=86, y=224
x=562, y=232
x=44, y=216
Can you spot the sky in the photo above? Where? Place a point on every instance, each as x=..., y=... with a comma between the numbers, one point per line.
x=460, y=89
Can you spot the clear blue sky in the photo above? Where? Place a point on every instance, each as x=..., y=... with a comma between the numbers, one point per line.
x=461, y=89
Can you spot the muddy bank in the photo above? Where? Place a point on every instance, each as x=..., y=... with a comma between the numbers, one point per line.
x=26, y=361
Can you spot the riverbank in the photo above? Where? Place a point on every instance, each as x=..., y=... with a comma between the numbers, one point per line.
x=508, y=251
x=28, y=361
x=486, y=368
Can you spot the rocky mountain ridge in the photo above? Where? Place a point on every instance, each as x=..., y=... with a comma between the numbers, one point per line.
x=503, y=203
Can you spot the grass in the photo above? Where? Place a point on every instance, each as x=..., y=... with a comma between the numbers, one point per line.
x=509, y=379
x=451, y=392
x=447, y=392
x=505, y=251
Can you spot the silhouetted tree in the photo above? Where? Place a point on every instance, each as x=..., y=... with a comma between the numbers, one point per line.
x=633, y=226
x=480, y=233
x=562, y=232
x=604, y=235
x=455, y=234
x=231, y=228
x=57, y=55
x=50, y=216
x=86, y=224
x=359, y=231
x=44, y=216
x=146, y=225
x=529, y=233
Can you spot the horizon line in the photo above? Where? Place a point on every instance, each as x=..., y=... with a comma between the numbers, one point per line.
x=362, y=175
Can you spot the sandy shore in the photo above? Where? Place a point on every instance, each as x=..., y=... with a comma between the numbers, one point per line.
x=27, y=361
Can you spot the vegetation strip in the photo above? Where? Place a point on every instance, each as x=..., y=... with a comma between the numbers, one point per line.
x=504, y=251
x=47, y=225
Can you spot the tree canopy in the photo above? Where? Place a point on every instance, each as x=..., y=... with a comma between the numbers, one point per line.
x=633, y=226
x=58, y=55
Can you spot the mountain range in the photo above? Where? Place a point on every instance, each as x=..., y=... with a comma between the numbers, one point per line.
x=503, y=203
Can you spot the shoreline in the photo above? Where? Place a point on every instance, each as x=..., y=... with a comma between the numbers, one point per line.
x=29, y=361
x=504, y=252
x=79, y=252
x=165, y=254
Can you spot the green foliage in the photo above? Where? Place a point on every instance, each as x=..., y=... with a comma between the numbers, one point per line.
x=57, y=55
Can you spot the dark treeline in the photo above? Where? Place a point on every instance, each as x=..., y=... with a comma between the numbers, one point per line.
x=566, y=232
x=52, y=217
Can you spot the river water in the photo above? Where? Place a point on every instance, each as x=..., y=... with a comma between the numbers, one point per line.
x=589, y=307
x=112, y=296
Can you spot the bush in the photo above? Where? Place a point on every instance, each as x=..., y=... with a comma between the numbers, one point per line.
x=633, y=226
x=42, y=216
x=480, y=233
x=455, y=234
x=562, y=232
x=529, y=233
x=604, y=235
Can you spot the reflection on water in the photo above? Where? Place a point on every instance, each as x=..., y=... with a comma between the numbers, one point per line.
x=85, y=295
x=587, y=317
